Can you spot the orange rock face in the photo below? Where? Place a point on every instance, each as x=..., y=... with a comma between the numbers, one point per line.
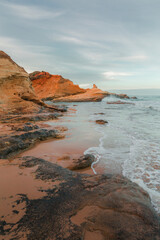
x=16, y=92
x=91, y=95
x=49, y=86
x=59, y=89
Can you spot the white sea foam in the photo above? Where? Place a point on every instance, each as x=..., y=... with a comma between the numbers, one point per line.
x=131, y=140
x=100, y=150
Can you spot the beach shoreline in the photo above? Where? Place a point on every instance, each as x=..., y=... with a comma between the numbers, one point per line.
x=57, y=171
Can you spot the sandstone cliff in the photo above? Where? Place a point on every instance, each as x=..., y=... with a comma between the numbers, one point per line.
x=90, y=95
x=49, y=86
x=59, y=89
x=16, y=92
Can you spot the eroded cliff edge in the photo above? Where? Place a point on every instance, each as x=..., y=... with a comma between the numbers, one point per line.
x=20, y=108
x=16, y=92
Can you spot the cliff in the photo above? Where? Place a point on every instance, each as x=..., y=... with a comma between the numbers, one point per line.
x=49, y=86
x=16, y=92
x=90, y=95
x=59, y=89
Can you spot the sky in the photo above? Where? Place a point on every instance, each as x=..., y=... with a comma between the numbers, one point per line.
x=112, y=43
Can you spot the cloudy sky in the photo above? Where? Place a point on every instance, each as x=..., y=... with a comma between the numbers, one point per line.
x=113, y=43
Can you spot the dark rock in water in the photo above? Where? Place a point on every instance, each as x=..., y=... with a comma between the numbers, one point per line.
x=133, y=97
x=122, y=96
x=101, y=121
x=119, y=102
x=79, y=206
x=99, y=113
x=82, y=162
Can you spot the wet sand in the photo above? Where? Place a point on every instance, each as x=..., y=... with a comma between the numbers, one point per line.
x=17, y=182
x=78, y=139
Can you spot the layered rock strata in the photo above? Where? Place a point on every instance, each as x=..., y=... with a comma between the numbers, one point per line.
x=59, y=89
x=49, y=86
x=16, y=92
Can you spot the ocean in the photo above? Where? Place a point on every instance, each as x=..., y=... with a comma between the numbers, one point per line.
x=129, y=144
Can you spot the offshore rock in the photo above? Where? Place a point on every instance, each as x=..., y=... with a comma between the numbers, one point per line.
x=120, y=102
x=101, y=122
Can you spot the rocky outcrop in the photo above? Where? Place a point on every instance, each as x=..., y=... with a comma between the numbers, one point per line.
x=79, y=206
x=18, y=142
x=94, y=86
x=101, y=122
x=16, y=92
x=119, y=102
x=122, y=96
x=59, y=89
x=90, y=95
x=50, y=87
x=82, y=162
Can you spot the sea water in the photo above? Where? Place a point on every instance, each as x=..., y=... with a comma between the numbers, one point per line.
x=130, y=143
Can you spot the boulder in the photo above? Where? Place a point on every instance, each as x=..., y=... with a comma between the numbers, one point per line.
x=83, y=162
x=101, y=122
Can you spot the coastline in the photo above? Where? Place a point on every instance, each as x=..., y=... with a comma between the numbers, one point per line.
x=40, y=176
x=47, y=187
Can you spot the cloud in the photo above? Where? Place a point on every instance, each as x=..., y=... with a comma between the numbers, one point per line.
x=31, y=12
x=85, y=85
x=113, y=75
x=136, y=58
x=73, y=40
x=22, y=53
x=77, y=40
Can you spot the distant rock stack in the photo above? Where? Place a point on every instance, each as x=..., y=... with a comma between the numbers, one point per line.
x=94, y=86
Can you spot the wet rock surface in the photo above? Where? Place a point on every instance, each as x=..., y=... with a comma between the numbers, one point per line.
x=21, y=131
x=84, y=161
x=79, y=206
x=26, y=127
x=12, y=145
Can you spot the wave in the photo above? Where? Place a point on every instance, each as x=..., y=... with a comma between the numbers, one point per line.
x=143, y=166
